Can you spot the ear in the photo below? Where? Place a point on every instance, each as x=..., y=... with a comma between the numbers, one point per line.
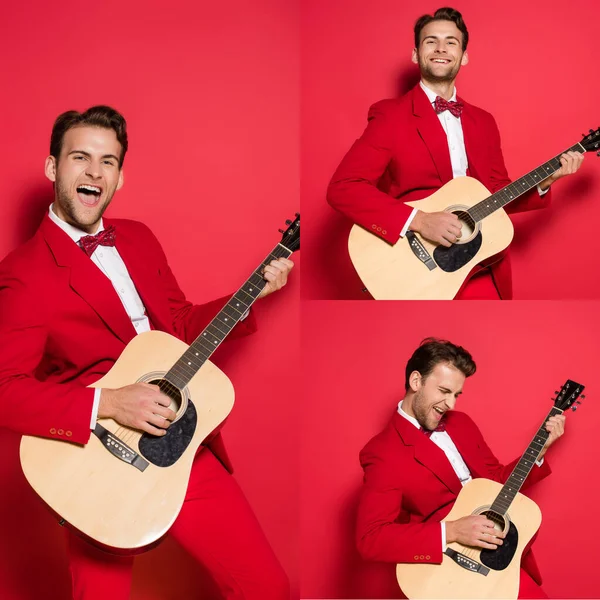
x=415, y=56
x=465, y=59
x=121, y=180
x=414, y=381
x=50, y=168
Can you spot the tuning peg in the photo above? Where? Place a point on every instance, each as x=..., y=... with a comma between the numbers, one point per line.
x=281, y=231
x=591, y=131
x=297, y=214
x=598, y=153
x=582, y=396
x=573, y=408
x=555, y=391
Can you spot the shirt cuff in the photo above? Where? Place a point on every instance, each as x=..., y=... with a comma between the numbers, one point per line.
x=95, y=406
x=443, y=536
x=540, y=462
x=408, y=222
x=541, y=192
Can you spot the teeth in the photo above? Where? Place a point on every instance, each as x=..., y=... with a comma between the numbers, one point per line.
x=438, y=410
x=439, y=60
x=91, y=188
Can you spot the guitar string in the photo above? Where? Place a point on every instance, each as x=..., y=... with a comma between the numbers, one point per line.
x=126, y=434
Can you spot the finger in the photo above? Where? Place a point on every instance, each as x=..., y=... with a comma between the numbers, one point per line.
x=158, y=421
x=153, y=430
x=288, y=263
x=450, y=238
x=165, y=413
x=274, y=271
x=444, y=242
x=486, y=545
x=161, y=400
x=277, y=265
x=454, y=229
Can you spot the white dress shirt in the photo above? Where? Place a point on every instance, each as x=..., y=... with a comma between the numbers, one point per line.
x=107, y=259
x=456, y=145
x=445, y=443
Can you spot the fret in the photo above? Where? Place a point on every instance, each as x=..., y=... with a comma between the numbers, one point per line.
x=202, y=348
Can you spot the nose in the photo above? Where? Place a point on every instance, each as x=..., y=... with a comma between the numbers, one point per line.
x=450, y=402
x=93, y=169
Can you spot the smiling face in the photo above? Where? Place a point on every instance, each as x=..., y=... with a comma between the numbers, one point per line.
x=440, y=53
x=433, y=396
x=86, y=175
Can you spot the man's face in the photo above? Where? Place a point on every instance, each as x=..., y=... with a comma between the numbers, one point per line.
x=435, y=394
x=440, y=54
x=86, y=175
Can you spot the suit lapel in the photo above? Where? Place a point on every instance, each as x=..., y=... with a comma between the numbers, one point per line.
x=474, y=141
x=432, y=133
x=87, y=281
x=144, y=275
x=427, y=453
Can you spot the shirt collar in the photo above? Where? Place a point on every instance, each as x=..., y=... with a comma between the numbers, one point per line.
x=410, y=419
x=432, y=95
x=73, y=232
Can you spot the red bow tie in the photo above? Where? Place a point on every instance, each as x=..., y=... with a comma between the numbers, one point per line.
x=89, y=243
x=440, y=427
x=441, y=105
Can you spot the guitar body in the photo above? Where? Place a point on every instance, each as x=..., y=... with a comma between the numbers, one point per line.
x=110, y=501
x=396, y=273
x=451, y=581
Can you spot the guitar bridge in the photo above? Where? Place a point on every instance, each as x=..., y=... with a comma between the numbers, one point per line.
x=117, y=448
x=466, y=563
x=420, y=251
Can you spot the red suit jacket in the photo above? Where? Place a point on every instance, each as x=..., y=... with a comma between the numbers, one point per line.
x=403, y=156
x=62, y=326
x=410, y=486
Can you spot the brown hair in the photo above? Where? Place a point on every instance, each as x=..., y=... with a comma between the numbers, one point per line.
x=96, y=116
x=433, y=351
x=442, y=14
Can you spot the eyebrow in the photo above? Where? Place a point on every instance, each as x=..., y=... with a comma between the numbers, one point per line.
x=90, y=156
x=436, y=37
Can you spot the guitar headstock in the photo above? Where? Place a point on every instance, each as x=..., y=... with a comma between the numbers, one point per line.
x=591, y=141
x=291, y=236
x=568, y=395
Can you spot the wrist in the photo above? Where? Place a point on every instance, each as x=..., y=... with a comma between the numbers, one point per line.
x=415, y=224
x=105, y=406
x=449, y=532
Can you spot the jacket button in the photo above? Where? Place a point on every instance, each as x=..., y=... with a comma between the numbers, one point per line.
x=60, y=431
x=68, y=433
x=416, y=557
x=53, y=431
x=422, y=557
x=374, y=226
x=384, y=232
x=379, y=229
x=428, y=557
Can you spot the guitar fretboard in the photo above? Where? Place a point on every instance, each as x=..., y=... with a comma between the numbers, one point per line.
x=517, y=188
x=217, y=330
x=523, y=468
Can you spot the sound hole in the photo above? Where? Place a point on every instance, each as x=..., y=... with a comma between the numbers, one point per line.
x=467, y=225
x=177, y=404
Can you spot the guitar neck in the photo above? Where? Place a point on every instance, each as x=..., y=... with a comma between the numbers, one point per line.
x=519, y=187
x=219, y=328
x=523, y=468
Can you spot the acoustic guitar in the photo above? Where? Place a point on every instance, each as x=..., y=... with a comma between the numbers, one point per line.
x=476, y=573
x=416, y=269
x=124, y=488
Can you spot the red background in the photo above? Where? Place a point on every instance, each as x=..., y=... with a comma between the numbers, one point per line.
x=532, y=65
x=524, y=351
x=211, y=95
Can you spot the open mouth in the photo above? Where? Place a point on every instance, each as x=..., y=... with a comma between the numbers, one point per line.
x=439, y=413
x=441, y=61
x=89, y=195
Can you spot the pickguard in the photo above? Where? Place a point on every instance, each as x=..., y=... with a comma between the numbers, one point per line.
x=453, y=258
x=500, y=558
x=164, y=451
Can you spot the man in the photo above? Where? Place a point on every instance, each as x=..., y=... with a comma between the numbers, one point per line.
x=71, y=298
x=411, y=480
x=414, y=145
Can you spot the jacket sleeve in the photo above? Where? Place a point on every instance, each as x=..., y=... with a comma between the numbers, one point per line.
x=27, y=405
x=353, y=189
x=379, y=535
x=189, y=320
x=499, y=177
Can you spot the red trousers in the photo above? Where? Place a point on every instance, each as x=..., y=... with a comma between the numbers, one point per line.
x=528, y=588
x=216, y=526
